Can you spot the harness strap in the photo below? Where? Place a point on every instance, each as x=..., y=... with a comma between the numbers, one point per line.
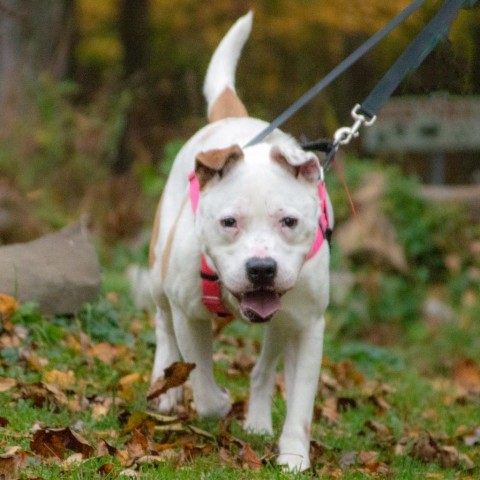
x=211, y=287
x=323, y=230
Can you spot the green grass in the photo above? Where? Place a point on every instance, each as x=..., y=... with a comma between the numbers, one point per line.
x=414, y=402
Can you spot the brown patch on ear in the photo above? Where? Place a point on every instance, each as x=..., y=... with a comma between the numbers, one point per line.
x=213, y=162
x=227, y=105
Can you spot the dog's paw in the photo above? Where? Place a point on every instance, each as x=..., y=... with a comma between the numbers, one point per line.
x=167, y=402
x=260, y=425
x=213, y=404
x=292, y=462
x=294, y=453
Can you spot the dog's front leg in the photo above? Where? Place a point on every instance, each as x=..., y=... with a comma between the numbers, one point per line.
x=165, y=354
x=195, y=340
x=303, y=358
x=262, y=382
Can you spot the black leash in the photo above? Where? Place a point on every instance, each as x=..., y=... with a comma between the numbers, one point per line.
x=438, y=28
x=365, y=114
x=338, y=70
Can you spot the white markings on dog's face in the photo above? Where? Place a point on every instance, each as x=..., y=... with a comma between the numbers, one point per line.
x=264, y=208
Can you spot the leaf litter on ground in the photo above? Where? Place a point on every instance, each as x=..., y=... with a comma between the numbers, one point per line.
x=144, y=437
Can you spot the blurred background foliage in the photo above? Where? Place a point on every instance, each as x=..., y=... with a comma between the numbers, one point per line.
x=97, y=97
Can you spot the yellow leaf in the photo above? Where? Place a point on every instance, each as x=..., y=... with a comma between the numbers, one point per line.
x=62, y=379
x=8, y=305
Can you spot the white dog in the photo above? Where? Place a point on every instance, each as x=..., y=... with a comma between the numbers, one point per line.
x=251, y=222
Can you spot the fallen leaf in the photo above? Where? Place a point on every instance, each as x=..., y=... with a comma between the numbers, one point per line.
x=128, y=386
x=347, y=460
x=54, y=442
x=328, y=412
x=138, y=445
x=7, y=384
x=59, y=378
x=250, y=458
x=164, y=456
x=174, y=376
x=191, y=450
x=35, y=362
x=3, y=422
x=382, y=431
x=107, y=352
x=467, y=375
x=106, y=469
x=429, y=450
x=11, y=461
x=346, y=373
x=472, y=439
x=8, y=305
x=130, y=473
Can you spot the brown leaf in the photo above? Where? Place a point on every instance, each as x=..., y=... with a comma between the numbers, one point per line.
x=7, y=384
x=192, y=450
x=250, y=458
x=10, y=462
x=107, y=352
x=54, y=442
x=346, y=373
x=106, y=469
x=138, y=445
x=174, y=376
x=429, y=450
x=35, y=362
x=8, y=305
x=328, y=412
x=41, y=393
x=382, y=431
x=467, y=375
x=3, y=422
x=59, y=378
x=104, y=449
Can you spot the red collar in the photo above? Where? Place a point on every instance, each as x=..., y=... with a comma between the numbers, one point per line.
x=211, y=287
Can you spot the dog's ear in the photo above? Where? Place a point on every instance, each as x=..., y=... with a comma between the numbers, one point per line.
x=298, y=162
x=215, y=162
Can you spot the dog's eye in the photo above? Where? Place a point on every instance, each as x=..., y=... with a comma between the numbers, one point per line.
x=228, y=222
x=289, y=222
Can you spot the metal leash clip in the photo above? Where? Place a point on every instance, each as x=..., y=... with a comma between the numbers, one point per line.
x=344, y=135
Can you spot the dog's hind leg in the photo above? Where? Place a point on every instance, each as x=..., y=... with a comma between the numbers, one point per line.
x=195, y=338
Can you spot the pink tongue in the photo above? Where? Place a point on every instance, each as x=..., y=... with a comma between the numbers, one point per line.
x=262, y=302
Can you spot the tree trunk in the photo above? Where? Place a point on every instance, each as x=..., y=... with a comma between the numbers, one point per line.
x=35, y=37
x=134, y=33
x=134, y=20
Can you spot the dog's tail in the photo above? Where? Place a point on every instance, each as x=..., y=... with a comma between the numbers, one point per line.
x=219, y=86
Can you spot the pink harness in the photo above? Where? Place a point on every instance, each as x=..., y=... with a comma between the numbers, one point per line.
x=211, y=287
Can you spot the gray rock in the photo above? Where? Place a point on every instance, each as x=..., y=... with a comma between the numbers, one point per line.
x=59, y=271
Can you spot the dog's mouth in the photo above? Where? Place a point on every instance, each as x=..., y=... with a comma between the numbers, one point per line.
x=259, y=306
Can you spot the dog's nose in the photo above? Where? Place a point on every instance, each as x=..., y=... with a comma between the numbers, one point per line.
x=261, y=271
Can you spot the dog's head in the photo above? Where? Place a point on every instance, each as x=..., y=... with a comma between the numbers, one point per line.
x=257, y=219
